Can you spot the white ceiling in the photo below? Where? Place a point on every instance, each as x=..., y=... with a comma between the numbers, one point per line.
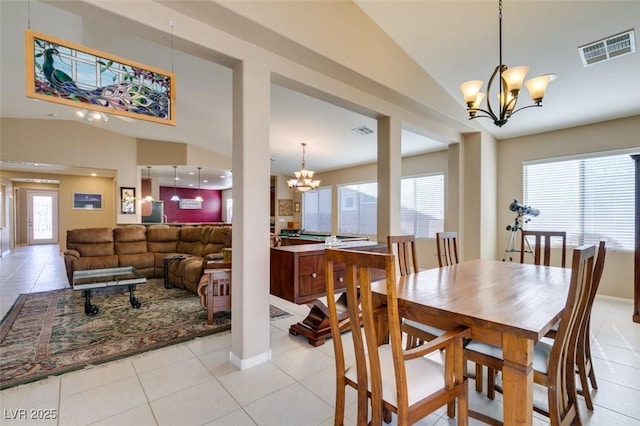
x=453, y=41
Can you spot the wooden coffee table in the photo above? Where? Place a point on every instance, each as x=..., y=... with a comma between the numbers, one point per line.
x=94, y=282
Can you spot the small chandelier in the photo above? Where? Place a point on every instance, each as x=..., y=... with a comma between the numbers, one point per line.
x=148, y=198
x=510, y=83
x=175, y=190
x=304, y=178
x=199, y=197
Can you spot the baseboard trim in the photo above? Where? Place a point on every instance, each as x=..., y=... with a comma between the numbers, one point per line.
x=243, y=364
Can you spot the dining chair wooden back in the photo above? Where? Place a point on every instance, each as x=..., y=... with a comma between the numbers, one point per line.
x=447, y=248
x=554, y=363
x=541, y=248
x=389, y=378
x=404, y=247
x=584, y=364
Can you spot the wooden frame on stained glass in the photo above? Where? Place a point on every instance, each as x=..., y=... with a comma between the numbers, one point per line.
x=71, y=74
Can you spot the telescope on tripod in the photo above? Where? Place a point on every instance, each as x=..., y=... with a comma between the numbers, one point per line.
x=522, y=211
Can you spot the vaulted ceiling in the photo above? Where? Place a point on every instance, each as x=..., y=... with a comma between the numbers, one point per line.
x=452, y=41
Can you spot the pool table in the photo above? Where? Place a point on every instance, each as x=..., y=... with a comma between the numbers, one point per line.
x=296, y=239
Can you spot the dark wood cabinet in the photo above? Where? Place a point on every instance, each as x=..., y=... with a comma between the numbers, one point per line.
x=298, y=274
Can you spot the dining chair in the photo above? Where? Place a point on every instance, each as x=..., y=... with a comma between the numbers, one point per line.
x=385, y=375
x=541, y=249
x=404, y=247
x=554, y=361
x=447, y=248
x=584, y=364
x=541, y=243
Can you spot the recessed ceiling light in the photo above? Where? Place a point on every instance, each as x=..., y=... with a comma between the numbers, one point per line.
x=94, y=174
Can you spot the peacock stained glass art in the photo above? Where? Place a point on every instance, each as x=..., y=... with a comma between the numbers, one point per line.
x=70, y=74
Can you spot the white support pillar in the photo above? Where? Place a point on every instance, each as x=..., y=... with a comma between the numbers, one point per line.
x=389, y=176
x=251, y=180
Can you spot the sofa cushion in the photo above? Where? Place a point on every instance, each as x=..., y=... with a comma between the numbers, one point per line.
x=91, y=242
x=130, y=240
x=95, y=262
x=163, y=240
x=130, y=233
x=191, y=241
x=215, y=240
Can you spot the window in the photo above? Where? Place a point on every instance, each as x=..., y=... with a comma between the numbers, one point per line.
x=229, y=210
x=591, y=198
x=358, y=210
x=316, y=210
x=422, y=205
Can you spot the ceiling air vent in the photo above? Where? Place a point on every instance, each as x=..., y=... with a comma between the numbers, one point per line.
x=608, y=48
x=363, y=130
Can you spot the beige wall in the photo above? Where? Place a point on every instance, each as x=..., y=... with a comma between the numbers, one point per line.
x=68, y=217
x=608, y=136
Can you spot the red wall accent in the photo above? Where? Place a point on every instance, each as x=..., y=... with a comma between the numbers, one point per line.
x=211, y=206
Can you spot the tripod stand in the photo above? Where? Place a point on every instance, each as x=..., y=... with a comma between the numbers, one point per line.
x=511, y=243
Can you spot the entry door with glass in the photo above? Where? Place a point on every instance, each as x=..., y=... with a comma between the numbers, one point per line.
x=42, y=213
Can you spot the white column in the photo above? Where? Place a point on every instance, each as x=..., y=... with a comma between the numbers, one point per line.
x=251, y=174
x=389, y=176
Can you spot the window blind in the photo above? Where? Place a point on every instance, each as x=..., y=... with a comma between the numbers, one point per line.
x=358, y=210
x=422, y=205
x=590, y=198
x=316, y=210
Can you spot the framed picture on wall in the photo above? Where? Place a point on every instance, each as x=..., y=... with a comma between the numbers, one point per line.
x=285, y=207
x=86, y=201
x=127, y=200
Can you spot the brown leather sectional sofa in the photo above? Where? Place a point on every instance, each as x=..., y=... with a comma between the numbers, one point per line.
x=145, y=248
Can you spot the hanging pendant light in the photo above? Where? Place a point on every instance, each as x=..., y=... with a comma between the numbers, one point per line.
x=304, y=178
x=175, y=189
x=199, y=197
x=149, y=198
x=510, y=83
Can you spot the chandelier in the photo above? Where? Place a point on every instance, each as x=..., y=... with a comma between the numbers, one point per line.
x=304, y=178
x=510, y=80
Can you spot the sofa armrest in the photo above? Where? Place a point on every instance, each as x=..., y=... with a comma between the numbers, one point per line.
x=73, y=253
x=213, y=256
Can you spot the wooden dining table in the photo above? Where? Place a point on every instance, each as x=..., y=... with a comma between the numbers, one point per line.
x=506, y=304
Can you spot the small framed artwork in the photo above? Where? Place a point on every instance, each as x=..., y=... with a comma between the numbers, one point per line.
x=127, y=200
x=75, y=75
x=285, y=207
x=296, y=208
x=86, y=201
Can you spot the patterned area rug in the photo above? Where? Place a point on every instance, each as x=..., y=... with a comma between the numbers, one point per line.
x=48, y=333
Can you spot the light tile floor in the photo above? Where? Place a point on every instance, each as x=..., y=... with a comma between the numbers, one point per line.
x=194, y=384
